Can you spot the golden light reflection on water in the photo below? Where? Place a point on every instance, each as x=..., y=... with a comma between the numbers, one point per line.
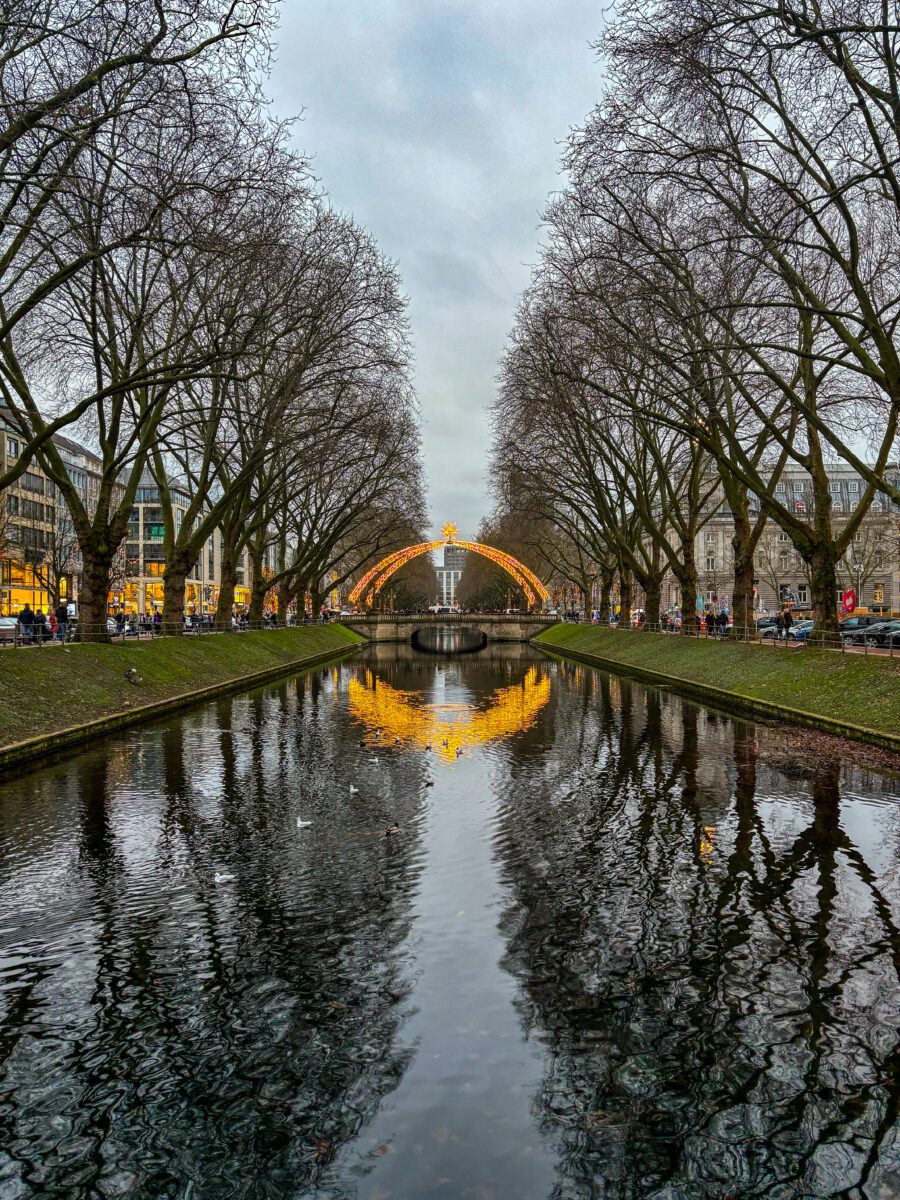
x=707, y=844
x=404, y=716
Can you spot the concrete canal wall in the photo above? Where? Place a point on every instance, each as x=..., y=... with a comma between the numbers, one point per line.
x=846, y=694
x=54, y=697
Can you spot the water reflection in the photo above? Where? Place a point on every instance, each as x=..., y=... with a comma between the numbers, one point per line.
x=411, y=719
x=623, y=948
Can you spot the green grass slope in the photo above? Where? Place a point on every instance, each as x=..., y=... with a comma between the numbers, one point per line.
x=850, y=688
x=46, y=689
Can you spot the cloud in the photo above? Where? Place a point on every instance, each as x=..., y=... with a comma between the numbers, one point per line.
x=437, y=123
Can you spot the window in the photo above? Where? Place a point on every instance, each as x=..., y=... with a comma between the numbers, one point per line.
x=782, y=562
x=147, y=495
x=710, y=562
x=29, y=482
x=155, y=533
x=12, y=505
x=34, y=510
x=155, y=569
x=802, y=594
x=853, y=487
x=710, y=539
x=878, y=594
x=783, y=537
x=35, y=539
x=834, y=486
x=12, y=447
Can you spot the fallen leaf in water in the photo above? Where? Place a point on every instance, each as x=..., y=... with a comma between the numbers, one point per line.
x=442, y=1134
x=384, y=1148
x=324, y=1147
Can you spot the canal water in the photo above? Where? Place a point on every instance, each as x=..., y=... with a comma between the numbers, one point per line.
x=620, y=947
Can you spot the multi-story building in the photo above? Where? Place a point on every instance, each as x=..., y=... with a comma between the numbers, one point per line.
x=27, y=522
x=871, y=564
x=145, y=558
x=39, y=553
x=449, y=573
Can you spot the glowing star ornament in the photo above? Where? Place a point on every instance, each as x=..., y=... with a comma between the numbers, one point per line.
x=449, y=531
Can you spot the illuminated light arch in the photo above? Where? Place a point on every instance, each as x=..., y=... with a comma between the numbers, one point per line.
x=375, y=578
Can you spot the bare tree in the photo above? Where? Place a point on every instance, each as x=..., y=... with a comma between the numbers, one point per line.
x=73, y=76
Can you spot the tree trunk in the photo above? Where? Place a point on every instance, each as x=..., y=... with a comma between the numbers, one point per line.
x=652, y=597
x=285, y=596
x=257, y=602
x=174, y=580
x=625, y=594
x=822, y=566
x=742, y=596
x=315, y=597
x=687, y=581
x=225, y=604
x=606, y=583
x=93, y=600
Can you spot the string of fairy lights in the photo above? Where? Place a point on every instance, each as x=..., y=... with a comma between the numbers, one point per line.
x=375, y=578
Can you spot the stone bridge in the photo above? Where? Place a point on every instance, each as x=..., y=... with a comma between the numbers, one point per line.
x=510, y=628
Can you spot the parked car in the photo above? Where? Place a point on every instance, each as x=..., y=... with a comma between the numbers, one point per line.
x=878, y=634
x=862, y=621
x=799, y=631
x=8, y=628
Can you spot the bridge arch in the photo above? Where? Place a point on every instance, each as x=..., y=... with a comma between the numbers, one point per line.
x=375, y=578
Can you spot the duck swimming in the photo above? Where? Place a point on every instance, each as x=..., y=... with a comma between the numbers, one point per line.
x=391, y=830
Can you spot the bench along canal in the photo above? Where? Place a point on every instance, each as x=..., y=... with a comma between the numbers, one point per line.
x=621, y=947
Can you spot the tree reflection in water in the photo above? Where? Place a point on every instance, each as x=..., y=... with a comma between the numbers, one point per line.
x=712, y=964
x=698, y=929
x=231, y=1039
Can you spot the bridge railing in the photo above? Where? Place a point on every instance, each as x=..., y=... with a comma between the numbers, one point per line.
x=442, y=618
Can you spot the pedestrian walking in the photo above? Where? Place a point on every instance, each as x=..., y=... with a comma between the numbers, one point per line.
x=26, y=623
x=710, y=624
x=788, y=622
x=41, y=628
x=722, y=623
x=61, y=612
x=157, y=621
x=779, y=625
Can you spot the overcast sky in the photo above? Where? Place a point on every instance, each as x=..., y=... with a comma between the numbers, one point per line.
x=437, y=124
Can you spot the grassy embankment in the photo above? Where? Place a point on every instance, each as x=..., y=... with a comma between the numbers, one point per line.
x=819, y=687
x=48, y=689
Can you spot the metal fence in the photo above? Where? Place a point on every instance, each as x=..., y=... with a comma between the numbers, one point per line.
x=33, y=636
x=857, y=642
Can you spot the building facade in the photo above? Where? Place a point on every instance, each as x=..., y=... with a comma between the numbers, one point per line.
x=39, y=553
x=449, y=573
x=871, y=564
x=27, y=525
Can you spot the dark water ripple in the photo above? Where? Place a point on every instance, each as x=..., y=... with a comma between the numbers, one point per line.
x=621, y=948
